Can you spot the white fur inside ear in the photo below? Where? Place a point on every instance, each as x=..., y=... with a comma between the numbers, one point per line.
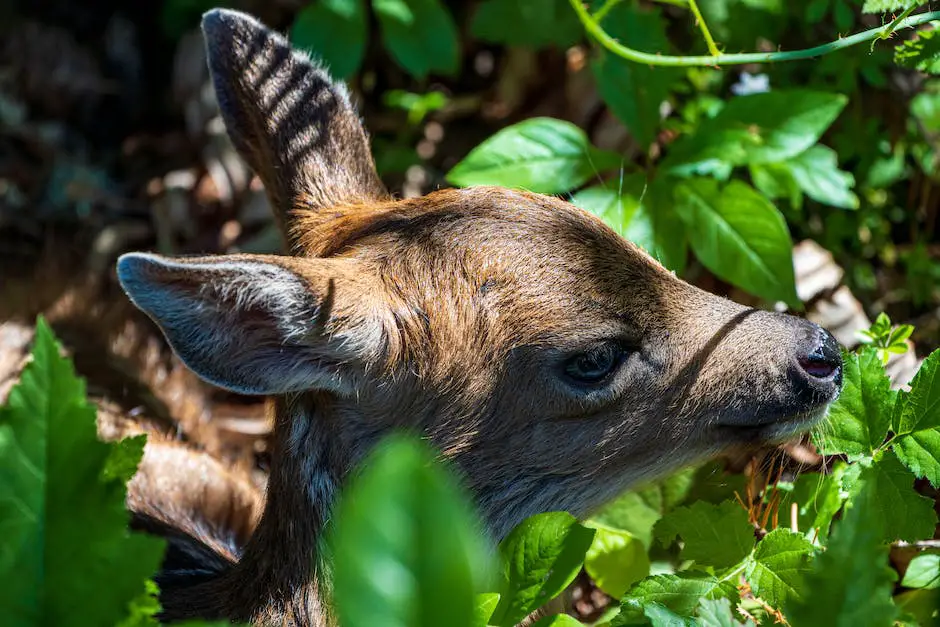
x=247, y=326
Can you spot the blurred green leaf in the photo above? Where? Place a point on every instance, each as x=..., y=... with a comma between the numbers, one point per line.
x=540, y=154
x=737, y=234
x=616, y=559
x=887, y=6
x=420, y=34
x=817, y=173
x=718, y=613
x=558, y=620
x=66, y=554
x=541, y=557
x=335, y=31
x=533, y=23
x=486, y=604
x=920, y=53
x=818, y=499
x=634, y=92
x=406, y=546
x=712, y=535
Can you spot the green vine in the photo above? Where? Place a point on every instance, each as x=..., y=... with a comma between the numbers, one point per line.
x=592, y=25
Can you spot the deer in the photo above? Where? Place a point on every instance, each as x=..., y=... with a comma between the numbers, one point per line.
x=553, y=363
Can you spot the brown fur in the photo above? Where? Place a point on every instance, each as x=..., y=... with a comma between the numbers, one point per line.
x=454, y=316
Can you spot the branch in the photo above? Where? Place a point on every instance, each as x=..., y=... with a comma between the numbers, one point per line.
x=882, y=32
x=700, y=21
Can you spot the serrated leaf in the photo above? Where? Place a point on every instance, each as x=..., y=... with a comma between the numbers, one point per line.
x=547, y=22
x=817, y=173
x=920, y=53
x=923, y=572
x=542, y=155
x=635, y=92
x=680, y=594
x=406, y=546
x=888, y=6
x=902, y=513
x=858, y=420
x=66, y=555
x=918, y=426
x=616, y=559
x=712, y=535
x=541, y=557
x=861, y=593
x=737, y=234
x=661, y=616
x=124, y=458
x=420, y=34
x=761, y=128
x=335, y=31
x=775, y=569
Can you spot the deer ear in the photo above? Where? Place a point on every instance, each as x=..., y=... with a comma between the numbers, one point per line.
x=288, y=119
x=257, y=324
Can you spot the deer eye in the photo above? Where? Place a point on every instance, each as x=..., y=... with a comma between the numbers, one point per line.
x=596, y=364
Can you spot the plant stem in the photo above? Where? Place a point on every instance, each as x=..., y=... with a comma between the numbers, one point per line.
x=637, y=56
x=700, y=21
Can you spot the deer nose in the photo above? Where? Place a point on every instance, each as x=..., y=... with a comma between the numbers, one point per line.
x=823, y=362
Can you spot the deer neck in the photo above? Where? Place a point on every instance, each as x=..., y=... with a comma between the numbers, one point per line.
x=282, y=577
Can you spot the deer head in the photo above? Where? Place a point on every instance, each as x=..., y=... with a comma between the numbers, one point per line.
x=553, y=361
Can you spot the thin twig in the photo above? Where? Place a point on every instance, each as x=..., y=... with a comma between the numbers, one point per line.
x=637, y=56
x=700, y=22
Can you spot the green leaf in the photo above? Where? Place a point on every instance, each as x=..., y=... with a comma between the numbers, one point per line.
x=920, y=607
x=547, y=22
x=861, y=593
x=923, y=572
x=661, y=616
x=486, y=605
x=901, y=513
x=737, y=234
x=918, y=428
x=713, y=535
x=889, y=6
x=858, y=420
x=66, y=555
x=637, y=511
x=818, y=499
x=420, y=34
x=559, y=620
x=776, y=180
x=678, y=593
x=541, y=557
x=643, y=215
x=124, y=458
x=922, y=52
x=542, y=155
x=335, y=31
x=406, y=546
x=762, y=128
x=615, y=208
x=634, y=92
x=717, y=613
x=817, y=173
x=616, y=559
x=775, y=569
